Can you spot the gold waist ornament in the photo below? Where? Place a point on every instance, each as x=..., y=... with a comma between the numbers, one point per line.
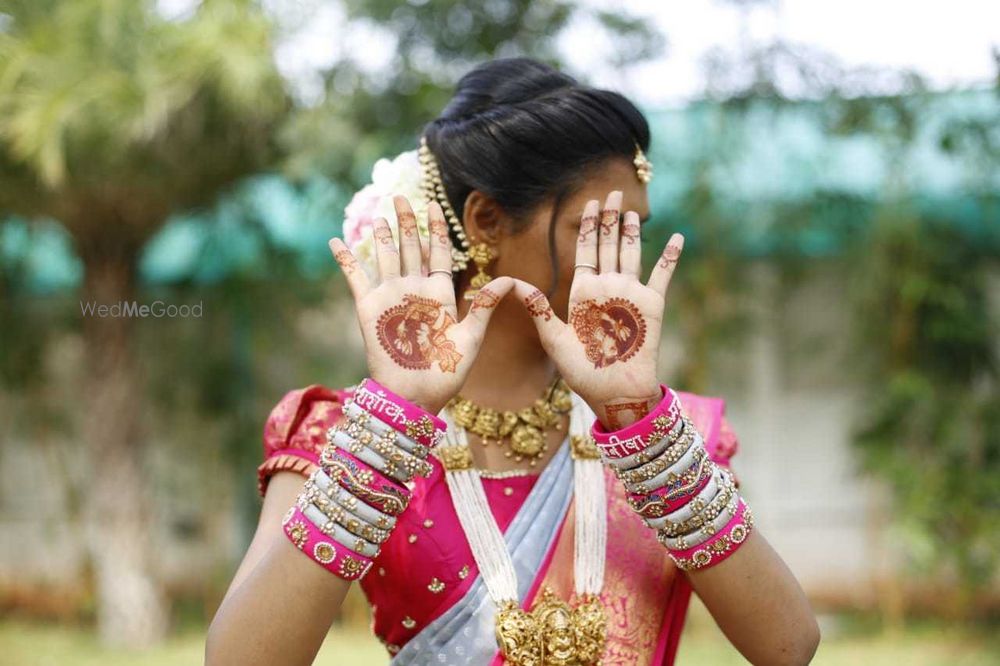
x=553, y=633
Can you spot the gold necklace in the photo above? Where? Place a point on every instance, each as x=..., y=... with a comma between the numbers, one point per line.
x=524, y=429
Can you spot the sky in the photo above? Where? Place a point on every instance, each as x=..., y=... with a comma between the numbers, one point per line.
x=949, y=43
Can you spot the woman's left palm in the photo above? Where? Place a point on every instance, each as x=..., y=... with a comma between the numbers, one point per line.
x=607, y=350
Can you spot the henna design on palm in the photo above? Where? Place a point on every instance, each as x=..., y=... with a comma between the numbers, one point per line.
x=630, y=232
x=670, y=256
x=611, y=332
x=414, y=334
x=588, y=225
x=613, y=411
x=407, y=224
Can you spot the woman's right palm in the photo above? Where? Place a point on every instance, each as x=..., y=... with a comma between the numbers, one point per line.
x=414, y=343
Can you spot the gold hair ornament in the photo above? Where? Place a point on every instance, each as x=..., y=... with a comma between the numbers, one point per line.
x=433, y=190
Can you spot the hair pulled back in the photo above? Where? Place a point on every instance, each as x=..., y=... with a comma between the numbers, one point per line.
x=522, y=132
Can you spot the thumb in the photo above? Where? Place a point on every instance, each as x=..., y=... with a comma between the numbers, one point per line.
x=483, y=305
x=537, y=305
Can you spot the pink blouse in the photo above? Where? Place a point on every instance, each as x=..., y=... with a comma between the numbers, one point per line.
x=426, y=565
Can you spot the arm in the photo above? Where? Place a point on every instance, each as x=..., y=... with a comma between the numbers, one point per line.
x=282, y=600
x=608, y=353
x=280, y=605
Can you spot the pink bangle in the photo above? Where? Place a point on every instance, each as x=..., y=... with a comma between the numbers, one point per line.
x=364, y=482
x=671, y=497
x=720, y=546
x=651, y=428
x=333, y=556
x=414, y=422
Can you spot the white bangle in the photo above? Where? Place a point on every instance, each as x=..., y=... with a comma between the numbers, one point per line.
x=380, y=428
x=704, y=533
x=626, y=463
x=339, y=533
x=345, y=499
x=697, y=503
x=695, y=453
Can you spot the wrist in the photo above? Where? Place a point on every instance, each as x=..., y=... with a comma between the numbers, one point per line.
x=621, y=412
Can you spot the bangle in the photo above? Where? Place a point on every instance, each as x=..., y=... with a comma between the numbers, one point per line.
x=719, y=547
x=350, y=502
x=312, y=495
x=669, y=498
x=709, y=514
x=363, y=482
x=360, y=423
x=696, y=504
x=339, y=533
x=638, y=436
x=341, y=561
x=667, y=460
x=390, y=461
x=706, y=531
x=403, y=415
x=619, y=465
x=682, y=473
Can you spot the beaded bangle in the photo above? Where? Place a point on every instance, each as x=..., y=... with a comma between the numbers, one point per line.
x=360, y=422
x=313, y=496
x=306, y=537
x=708, y=515
x=404, y=416
x=706, y=531
x=719, y=547
x=637, y=437
x=339, y=533
x=688, y=438
x=685, y=471
x=350, y=502
x=363, y=482
x=669, y=498
x=694, y=505
x=620, y=465
x=400, y=466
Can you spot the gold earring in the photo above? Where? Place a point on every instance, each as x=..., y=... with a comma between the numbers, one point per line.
x=481, y=254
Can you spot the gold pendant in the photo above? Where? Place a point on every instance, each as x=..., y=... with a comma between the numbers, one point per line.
x=553, y=633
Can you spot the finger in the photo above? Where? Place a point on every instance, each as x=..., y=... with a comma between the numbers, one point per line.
x=409, y=240
x=356, y=278
x=586, y=240
x=537, y=305
x=659, y=279
x=440, y=250
x=386, y=253
x=607, y=242
x=483, y=305
x=630, y=256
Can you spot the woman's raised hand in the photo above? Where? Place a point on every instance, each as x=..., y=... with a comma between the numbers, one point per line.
x=607, y=352
x=415, y=345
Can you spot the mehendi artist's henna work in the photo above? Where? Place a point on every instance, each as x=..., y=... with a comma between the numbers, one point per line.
x=347, y=262
x=383, y=234
x=439, y=230
x=407, y=223
x=484, y=300
x=413, y=334
x=630, y=232
x=610, y=332
x=538, y=305
x=612, y=412
x=671, y=253
x=588, y=225
x=609, y=219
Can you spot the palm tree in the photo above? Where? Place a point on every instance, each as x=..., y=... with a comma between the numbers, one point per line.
x=112, y=116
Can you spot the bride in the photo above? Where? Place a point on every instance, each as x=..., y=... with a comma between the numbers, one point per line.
x=512, y=483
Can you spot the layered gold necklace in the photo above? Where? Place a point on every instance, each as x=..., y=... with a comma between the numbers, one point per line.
x=524, y=430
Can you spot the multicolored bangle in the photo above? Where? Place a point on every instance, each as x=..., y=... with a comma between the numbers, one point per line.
x=404, y=416
x=334, y=557
x=363, y=482
x=350, y=502
x=668, y=468
x=721, y=546
x=631, y=461
x=702, y=498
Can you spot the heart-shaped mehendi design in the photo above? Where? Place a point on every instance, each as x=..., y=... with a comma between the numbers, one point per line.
x=413, y=334
x=610, y=332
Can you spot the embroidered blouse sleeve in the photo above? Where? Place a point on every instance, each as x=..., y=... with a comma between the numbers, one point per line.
x=295, y=431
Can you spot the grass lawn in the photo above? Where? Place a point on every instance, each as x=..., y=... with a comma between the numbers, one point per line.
x=847, y=642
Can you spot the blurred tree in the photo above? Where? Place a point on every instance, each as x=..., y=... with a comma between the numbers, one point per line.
x=112, y=116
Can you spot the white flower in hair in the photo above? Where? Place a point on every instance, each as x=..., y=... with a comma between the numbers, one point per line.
x=401, y=175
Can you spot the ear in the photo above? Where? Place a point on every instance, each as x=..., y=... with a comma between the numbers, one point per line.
x=482, y=218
